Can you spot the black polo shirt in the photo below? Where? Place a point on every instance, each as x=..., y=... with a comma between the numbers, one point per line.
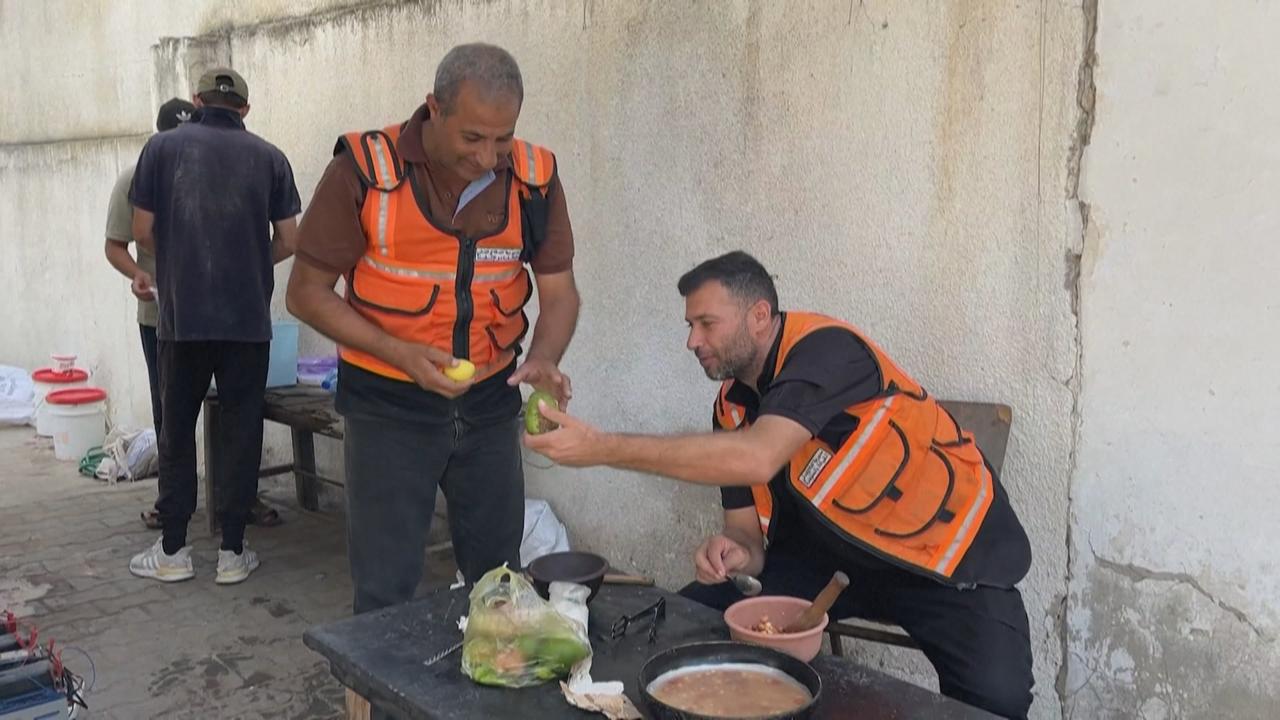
x=215, y=188
x=827, y=371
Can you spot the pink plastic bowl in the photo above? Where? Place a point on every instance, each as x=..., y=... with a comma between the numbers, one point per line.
x=780, y=610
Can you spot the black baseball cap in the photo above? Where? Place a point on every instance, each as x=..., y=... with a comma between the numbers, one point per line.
x=173, y=113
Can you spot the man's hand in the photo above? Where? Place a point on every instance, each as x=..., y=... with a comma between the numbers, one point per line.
x=544, y=375
x=574, y=443
x=423, y=363
x=717, y=558
x=143, y=287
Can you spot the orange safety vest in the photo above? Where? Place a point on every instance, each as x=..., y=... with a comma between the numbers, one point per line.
x=424, y=283
x=908, y=484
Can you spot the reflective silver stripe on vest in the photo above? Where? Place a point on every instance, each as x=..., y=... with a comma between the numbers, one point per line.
x=853, y=453
x=380, y=157
x=533, y=163
x=733, y=413
x=441, y=275
x=969, y=517
x=497, y=276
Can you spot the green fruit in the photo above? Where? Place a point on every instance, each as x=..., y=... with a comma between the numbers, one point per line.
x=561, y=652
x=534, y=423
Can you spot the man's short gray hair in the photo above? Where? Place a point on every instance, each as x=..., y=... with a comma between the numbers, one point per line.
x=492, y=70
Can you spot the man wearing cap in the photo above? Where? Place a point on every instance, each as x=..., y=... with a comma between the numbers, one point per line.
x=432, y=223
x=206, y=197
x=141, y=274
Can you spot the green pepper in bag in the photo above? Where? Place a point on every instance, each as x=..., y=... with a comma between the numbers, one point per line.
x=514, y=638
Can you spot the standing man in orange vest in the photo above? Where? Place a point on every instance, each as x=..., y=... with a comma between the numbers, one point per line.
x=431, y=223
x=830, y=457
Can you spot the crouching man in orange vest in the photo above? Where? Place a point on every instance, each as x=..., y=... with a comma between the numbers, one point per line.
x=830, y=457
x=432, y=223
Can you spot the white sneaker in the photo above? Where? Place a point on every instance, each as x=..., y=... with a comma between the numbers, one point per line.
x=233, y=568
x=153, y=563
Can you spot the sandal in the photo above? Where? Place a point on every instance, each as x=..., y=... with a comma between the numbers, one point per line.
x=263, y=515
x=151, y=519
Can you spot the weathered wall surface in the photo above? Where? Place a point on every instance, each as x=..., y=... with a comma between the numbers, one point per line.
x=1174, y=588
x=902, y=165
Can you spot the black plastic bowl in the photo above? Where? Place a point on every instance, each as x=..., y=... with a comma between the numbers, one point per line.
x=714, y=653
x=583, y=568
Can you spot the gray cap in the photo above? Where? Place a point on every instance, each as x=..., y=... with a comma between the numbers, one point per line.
x=223, y=80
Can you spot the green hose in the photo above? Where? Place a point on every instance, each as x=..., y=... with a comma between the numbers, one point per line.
x=91, y=460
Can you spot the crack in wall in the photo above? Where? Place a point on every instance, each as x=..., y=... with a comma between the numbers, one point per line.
x=1086, y=94
x=1139, y=574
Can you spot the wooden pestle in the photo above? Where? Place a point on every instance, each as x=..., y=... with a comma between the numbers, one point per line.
x=626, y=579
x=812, y=615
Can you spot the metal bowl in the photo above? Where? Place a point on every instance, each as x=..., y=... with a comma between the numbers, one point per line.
x=715, y=653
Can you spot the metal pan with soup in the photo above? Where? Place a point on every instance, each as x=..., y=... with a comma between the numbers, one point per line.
x=728, y=680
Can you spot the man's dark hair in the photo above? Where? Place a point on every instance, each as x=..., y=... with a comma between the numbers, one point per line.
x=491, y=70
x=742, y=275
x=217, y=98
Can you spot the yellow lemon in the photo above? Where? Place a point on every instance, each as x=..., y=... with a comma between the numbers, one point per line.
x=461, y=372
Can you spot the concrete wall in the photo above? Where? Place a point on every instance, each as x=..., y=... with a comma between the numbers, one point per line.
x=1174, y=588
x=57, y=288
x=915, y=157
x=912, y=167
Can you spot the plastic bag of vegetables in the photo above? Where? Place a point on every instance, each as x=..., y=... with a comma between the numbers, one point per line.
x=514, y=638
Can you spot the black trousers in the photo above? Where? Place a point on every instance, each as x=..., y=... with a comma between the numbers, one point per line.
x=152, y=355
x=185, y=371
x=978, y=640
x=393, y=468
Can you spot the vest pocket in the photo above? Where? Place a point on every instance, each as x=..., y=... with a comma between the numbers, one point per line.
x=509, y=300
x=878, y=481
x=509, y=334
x=507, y=324
x=392, y=292
x=926, y=490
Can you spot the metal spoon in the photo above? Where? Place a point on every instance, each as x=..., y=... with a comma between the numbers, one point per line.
x=746, y=584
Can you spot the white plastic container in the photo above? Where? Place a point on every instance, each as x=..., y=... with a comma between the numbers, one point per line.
x=78, y=419
x=282, y=368
x=63, y=362
x=47, y=380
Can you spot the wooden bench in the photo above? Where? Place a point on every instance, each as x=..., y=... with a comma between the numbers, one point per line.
x=307, y=411
x=990, y=424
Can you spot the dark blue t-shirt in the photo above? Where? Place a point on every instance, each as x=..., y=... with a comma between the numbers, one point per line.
x=215, y=188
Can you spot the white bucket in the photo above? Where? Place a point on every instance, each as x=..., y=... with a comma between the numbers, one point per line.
x=78, y=425
x=49, y=380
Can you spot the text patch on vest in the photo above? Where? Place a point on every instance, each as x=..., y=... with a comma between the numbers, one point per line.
x=818, y=461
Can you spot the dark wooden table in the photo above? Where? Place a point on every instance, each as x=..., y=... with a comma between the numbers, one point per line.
x=307, y=411
x=380, y=656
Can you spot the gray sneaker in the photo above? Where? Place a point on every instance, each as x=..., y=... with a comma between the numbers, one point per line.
x=153, y=563
x=233, y=568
